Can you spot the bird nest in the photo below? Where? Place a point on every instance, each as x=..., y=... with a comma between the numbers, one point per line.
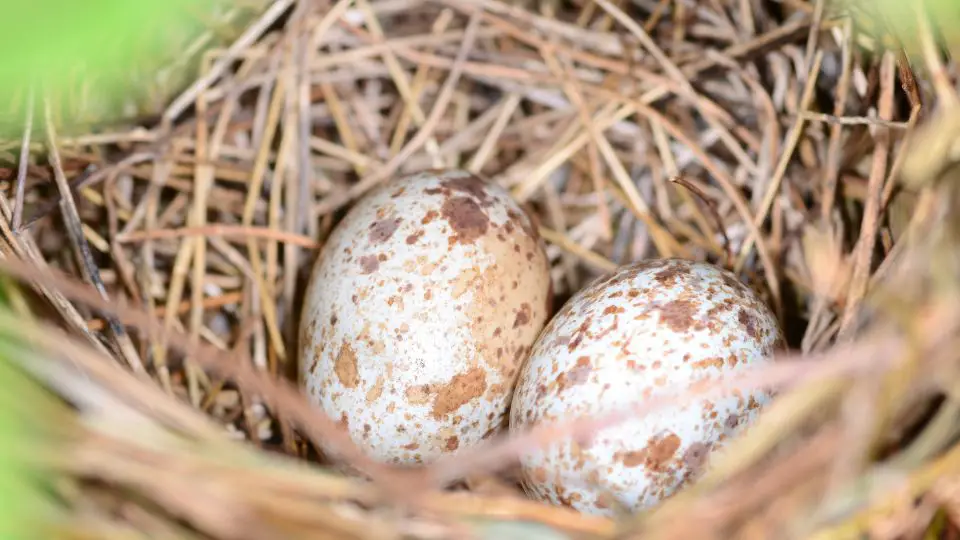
x=154, y=268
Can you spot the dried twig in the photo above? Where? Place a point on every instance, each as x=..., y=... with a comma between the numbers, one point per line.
x=81, y=248
x=22, y=164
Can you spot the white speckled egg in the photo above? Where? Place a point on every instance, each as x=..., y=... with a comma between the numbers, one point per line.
x=420, y=310
x=648, y=329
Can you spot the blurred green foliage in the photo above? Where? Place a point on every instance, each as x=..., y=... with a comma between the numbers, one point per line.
x=53, y=36
x=895, y=22
x=102, y=60
x=26, y=418
x=24, y=508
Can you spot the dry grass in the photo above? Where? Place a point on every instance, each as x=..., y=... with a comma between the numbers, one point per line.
x=163, y=262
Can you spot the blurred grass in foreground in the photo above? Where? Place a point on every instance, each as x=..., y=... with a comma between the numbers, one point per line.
x=24, y=429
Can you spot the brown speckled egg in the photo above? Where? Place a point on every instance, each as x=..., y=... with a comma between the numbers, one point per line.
x=420, y=310
x=648, y=330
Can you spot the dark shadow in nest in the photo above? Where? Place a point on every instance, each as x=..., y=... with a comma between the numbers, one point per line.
x=794, y=323
x=291, y=326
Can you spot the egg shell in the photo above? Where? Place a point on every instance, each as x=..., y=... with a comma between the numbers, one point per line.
x=425, y=301
x=648, y=330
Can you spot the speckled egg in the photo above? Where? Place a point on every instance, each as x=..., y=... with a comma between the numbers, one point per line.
x=649, y=329
x=420, y=310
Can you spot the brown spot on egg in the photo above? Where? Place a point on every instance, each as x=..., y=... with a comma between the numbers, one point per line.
x=632, y=458
x=713, y=361
x=523, y=316
x=382, y=229
x=345, y=366
x=469, y=185
x=613, y=310
x=412, y=239
x=577, y=375
x=452, y=443
x=411, y=446
x=661, y=450
x=678, y=314
x=459, y=391
x=468, y=221
x=374, y=393
x=429, y=216
x=695, y=457
x=580, y=334
x=419, y=394
x=369, y=264
x=655, y=456
x=333, y=319
x=749, y=323
x=669, y=275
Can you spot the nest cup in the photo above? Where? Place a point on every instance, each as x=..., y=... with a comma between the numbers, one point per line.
x=156, y=267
